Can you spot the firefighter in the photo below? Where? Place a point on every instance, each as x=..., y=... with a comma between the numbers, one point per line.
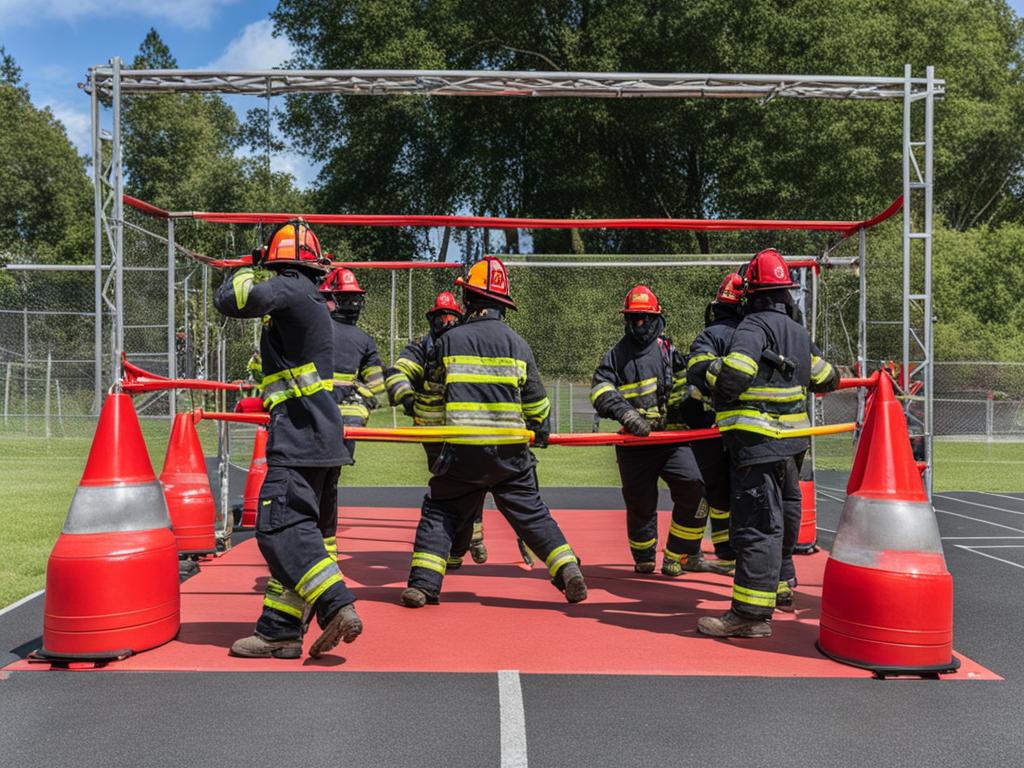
x=491, y=382
x=414, y=383
x=641, y=383
x=304, y=451
x=720, y=320
x=358, y=370
x=760, y=392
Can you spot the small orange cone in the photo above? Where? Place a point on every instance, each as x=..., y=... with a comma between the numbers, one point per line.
x=807, y=539
x=187, y=490
x=254, y=480
x=112, y=577
x=887, y=597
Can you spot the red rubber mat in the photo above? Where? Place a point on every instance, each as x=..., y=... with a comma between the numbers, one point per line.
x=502, y=615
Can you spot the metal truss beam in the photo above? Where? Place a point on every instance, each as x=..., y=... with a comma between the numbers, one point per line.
x=368, y=82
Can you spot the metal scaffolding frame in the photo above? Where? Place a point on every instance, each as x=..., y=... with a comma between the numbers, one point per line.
x=918, y=95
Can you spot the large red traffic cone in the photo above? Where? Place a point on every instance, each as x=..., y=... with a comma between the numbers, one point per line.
x=187, y=490
x=887, y=598
x=807, y=539
x=254, y=480
x=112, y=577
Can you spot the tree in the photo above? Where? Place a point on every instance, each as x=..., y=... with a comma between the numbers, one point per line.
x=656, y=157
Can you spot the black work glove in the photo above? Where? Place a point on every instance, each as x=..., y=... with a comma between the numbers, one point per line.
x=540, y=437
x=635, y=424
x=407, y=406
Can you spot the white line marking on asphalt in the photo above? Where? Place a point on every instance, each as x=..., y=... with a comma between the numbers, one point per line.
x=990, y=557
x=830, y=496
x=1002, y=495
x=978, y=520
x=826, y=530
x=994, y=546
x=21, y=602
x=978, y=504
x=979, y=538
x=513, y=719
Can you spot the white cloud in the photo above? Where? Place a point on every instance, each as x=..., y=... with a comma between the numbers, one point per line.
x=254, y=48
x=76, y=122
x=190, y=14
x=300, y=167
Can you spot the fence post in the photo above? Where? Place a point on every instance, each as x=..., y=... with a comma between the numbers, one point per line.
x=572, y=403
x=224, y=523
x=46, y=397
x=7, y=393
x=24, y=369
x=410, y=306
x=60, y=410
x=989, y=416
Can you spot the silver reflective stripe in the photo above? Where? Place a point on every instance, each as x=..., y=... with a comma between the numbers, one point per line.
x=512, y=419
x=514, y=371
x=134, y=507
x=281, y=385
x=874, y=533
x=307, y=379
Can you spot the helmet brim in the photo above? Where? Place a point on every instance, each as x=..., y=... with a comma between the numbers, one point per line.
x=485, y=293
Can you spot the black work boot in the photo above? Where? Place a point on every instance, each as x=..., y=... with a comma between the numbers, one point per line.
x=730, y=624
x=478, y=551
x=644, y=566
x=345, y=625
x=258, y=647
x=569, y=580
x=414, y=597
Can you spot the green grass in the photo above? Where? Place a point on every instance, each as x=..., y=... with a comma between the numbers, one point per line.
x=38, y=478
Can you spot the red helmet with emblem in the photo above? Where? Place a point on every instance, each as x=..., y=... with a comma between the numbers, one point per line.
x=341, y=280
x=768, y=271
x=731, y=290
x=446, y=303
x=489, y=278
x=641, y=300
x=293, y=243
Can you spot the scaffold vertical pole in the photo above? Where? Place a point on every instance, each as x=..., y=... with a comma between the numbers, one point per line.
x=929, y=339
x=118, y=221
x=97, y=237
x=172, y=358
x=862, y=321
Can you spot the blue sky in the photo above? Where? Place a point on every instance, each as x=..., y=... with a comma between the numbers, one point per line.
x=55, y=41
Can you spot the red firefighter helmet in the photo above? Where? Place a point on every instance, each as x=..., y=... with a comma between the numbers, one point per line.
x=488, y=277
x=731, y=290
x=446, y=302
x=341, y=280
x=641, y=300
x=768, y=271
x=294, y=243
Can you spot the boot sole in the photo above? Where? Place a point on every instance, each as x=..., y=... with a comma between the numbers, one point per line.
x=741, y=633
x=276, y=653
x=479, y=555
x=576, y=590
x=346, y=630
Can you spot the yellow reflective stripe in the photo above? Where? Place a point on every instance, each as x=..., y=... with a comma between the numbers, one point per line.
x=410, y=368
x=701, y=358
x=558, y=557
x=538, y=409
x=741, y=363
x=639, y=388
x=484, y=370
x=354, y=409
x=280, y=598
x=673, y=556
x=344, y=378
x=682, y=532
x=429, y=561
x=242, y=283
x=774, y=394
x=642, y=544
x=820, y=369
x=753, y=596
x=452, y=560
x=758, y=422
x=599, y=389
x=331, y=545
x=373, y=377
x=718, y=514
x=481, y=378
x=364, y=392
x=318, y=579
x=292, y=382
x=719, y=536
x=638, y=384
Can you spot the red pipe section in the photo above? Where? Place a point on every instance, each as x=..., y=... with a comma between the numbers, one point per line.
x=137, y=380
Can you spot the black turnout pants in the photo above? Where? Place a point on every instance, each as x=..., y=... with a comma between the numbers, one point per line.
x=713, y=460
x=298, y=507
x=639, y=468
x=463, y=475
x=765, y=524
x=467, y=533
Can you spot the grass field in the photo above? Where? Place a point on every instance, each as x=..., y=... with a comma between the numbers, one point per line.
x=38, y=478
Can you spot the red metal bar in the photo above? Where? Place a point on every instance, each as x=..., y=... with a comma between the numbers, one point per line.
x=852, y=383
x=245, y=261
x=136, y=380
x=145, y=207
x=241, y=418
